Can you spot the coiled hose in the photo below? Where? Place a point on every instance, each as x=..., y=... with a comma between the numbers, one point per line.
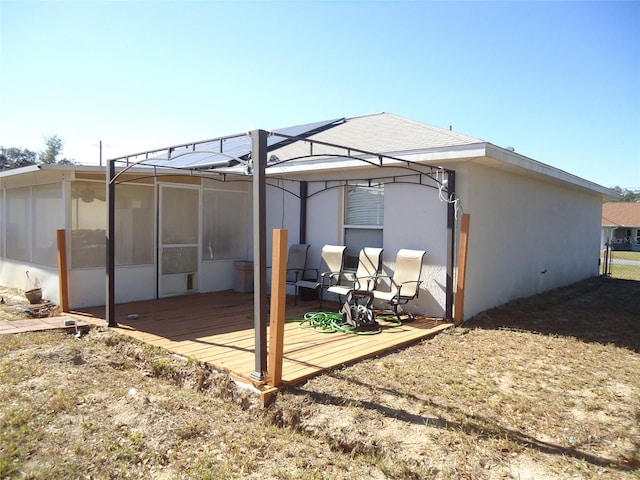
x=330, y=322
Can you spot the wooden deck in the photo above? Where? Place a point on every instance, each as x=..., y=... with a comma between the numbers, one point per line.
x=217, y=328
x=39, y=324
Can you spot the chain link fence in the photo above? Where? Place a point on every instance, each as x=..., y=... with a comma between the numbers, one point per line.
x=619, y=263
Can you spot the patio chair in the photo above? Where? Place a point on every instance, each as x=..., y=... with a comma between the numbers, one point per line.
x=332, y=263
x=296, y=263
x=404, y=285
x=365, y=278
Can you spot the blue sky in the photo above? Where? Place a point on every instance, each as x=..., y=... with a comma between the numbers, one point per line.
x=558, y=81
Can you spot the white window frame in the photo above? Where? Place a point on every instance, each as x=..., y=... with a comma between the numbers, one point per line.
x=366, y=216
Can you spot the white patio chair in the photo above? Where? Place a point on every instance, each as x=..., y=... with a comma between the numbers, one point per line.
x=365, y=278
x=404, y=285
x=332, y=264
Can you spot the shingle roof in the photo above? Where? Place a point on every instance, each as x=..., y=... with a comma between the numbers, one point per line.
x=383, y=133
x=621, y=214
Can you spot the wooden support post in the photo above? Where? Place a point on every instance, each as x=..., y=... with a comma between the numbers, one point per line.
x=278, y=301
x=462, y=269
x=63, y=270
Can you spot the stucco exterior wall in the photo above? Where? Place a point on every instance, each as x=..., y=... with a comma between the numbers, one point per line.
x=414, y=218
x=324, y=221
x=526, y=236
x=13, y=275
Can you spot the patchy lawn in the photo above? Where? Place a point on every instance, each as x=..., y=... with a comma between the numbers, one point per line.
x=541, y=388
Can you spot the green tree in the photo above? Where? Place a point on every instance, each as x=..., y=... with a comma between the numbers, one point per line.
x=14, y=157
x=54, y=145
x=53, y=148
x=627, y=194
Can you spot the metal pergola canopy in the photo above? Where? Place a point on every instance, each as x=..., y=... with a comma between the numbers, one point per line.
x=249, y=155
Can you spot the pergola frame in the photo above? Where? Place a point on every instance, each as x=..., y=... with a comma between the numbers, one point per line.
x=255, y=163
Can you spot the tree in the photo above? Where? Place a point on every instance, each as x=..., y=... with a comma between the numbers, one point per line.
x=14, y=157
x=53, y=148
x=627, y=194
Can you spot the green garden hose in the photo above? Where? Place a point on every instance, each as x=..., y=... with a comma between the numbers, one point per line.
x=330, y=322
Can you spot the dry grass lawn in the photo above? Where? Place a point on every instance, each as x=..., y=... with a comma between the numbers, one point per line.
x=542, y=388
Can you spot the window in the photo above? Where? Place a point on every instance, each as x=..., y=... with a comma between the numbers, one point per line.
x=47, y=219
x=33, y=215
x=18, y=222
x=134, y=234
x=88, y=220
x=225, y=217
x=179, y=229
x=134, y=225
x=364, y=219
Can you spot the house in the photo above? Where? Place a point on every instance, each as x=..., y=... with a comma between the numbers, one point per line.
x=621, y=226
x=183, y=216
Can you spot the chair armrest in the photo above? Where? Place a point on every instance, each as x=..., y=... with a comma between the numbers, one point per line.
x=331, y=276
x=418, y=282
x=381, y=275
x=372, y=281
x=297, y=271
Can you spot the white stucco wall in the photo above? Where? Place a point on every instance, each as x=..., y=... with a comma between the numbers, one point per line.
x=324, y=221
x=526, y=236
x=283, y=211
x=521, y=226
x=13, y=274
x=415, y=218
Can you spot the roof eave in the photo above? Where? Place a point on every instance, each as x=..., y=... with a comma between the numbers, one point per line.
x=20, y=171
x=535, y=167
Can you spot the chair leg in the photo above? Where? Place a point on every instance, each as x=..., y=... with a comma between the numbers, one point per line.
x=396, y=311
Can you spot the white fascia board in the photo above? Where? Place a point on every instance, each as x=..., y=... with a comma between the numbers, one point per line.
x=438, y=155
x=35, y=175
x=19, y=171
x=531, y=166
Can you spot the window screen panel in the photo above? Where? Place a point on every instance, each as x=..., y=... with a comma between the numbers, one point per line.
x=47, y=219
x=225, y=225
x=18, y=224
x=179, y=260
x=88, y=224
x=134, y=225
x=179, y=215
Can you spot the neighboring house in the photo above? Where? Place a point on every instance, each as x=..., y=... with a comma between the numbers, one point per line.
x=402, y=184
x=621, y=226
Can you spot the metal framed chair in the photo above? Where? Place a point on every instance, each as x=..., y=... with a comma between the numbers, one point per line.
x=296, y=264
x=404, y=285
x=365, y=278
x=332, y=264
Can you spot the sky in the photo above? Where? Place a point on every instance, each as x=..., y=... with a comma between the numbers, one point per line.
x=557, y=81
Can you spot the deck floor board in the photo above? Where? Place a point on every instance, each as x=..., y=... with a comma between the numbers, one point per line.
x=218, y=329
